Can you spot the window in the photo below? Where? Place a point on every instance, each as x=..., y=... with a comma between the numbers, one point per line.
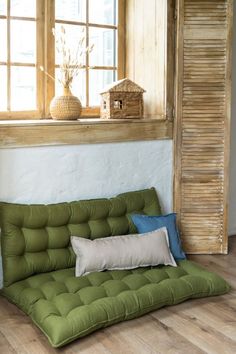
x=27, y=42
x=148, y=59
x=118, y=104
x=19, y=80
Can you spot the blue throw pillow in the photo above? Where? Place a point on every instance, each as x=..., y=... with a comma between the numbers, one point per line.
x=146, y=223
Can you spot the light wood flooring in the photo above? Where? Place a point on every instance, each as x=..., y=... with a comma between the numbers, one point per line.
x=193, y=327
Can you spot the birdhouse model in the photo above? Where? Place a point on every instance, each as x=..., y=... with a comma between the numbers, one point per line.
x=122, y=99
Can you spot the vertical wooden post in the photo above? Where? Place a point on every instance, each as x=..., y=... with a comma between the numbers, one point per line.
x=40, y=47
x=49, y=48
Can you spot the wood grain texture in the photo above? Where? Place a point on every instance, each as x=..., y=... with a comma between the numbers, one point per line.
x=121, y=40
x=48, y=132
x=198, y=326
x=201, y=133
x=146, y=53
x=40, y=77
x=170, y=60
x=49, y=60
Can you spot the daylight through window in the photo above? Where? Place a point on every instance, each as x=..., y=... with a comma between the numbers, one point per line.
x=18, y=84
x=98, y=20
x=26, y=43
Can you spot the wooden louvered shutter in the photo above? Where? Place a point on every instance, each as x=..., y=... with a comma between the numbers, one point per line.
x=203, y=75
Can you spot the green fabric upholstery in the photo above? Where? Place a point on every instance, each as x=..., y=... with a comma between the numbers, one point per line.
x=36, y=238
x=65, y=307
x=38, y=265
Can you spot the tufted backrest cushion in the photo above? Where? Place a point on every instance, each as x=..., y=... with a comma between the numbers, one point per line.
x=36, y=238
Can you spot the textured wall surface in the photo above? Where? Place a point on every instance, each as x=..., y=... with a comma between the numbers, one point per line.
x=232, y=185
x=65, y=173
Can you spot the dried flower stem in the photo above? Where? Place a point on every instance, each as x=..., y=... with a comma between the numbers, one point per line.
x=70, y=64
x=46, y=73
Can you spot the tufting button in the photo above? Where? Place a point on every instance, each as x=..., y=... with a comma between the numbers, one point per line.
x=92, y=293
x=52, y=289
x=135, y=281
x=97, y=278
x=67, y=302
x=115, y=287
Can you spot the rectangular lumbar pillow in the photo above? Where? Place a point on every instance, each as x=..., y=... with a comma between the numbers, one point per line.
x=145, y=223
x=122, y=252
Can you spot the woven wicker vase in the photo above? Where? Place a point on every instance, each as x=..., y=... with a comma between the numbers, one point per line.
x=65, y=107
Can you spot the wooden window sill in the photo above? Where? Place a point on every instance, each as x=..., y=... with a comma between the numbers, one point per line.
x=83, y=131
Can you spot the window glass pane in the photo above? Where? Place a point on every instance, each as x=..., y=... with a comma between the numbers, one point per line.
x=23, y=88
x=102, y=11
x=3, y=42
x=25, y=8
x=70, y=10
x=103, y=53
x=3, y=88
x=98, y=79
x=23, y=41
x=77, y=88
x=3, y=7
x=72, y=37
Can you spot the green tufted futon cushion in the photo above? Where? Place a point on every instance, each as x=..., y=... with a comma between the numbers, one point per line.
x=65, y=307
x=36, y=238
x=38, y=265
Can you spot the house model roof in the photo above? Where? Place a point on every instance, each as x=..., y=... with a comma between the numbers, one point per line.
x=124, y=85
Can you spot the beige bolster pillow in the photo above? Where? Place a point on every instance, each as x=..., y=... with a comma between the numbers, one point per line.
x=122, y=252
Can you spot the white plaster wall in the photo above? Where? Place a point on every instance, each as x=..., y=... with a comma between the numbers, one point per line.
x=66, y=173
x=232, y=185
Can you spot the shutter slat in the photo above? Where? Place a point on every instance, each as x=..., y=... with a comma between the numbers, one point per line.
x=202, y=129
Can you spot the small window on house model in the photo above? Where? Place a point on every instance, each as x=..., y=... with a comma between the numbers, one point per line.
x=25, y=90
x=118, y=104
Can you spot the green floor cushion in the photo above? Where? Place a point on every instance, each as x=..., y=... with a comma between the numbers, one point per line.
x=36, y=238
x=39, y=275
x=66, y=307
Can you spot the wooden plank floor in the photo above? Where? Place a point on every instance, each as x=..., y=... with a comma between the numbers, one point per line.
x=193, y=327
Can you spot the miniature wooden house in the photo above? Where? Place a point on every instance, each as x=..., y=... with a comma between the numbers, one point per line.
x=122, y=99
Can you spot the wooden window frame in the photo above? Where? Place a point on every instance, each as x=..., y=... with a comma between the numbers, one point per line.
x=38, y=113
x=45, y=21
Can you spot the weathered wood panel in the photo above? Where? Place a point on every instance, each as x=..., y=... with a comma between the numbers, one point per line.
x=49, y=132
x=204, y=33
x=150, y=52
